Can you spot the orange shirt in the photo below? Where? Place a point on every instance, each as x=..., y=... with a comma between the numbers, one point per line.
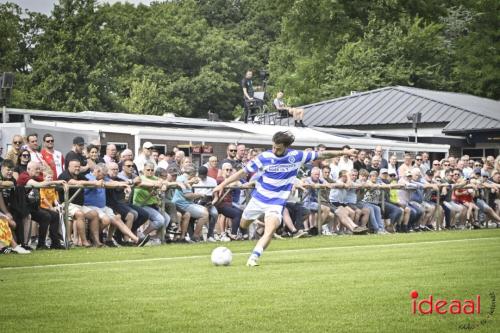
x=48, y=195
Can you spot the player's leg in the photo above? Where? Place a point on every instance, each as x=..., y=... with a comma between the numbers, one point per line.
x=271, y=223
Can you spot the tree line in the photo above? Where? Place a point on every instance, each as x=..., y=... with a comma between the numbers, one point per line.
x=188, y=56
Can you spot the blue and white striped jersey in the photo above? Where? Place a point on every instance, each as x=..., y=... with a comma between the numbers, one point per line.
x=277, y=174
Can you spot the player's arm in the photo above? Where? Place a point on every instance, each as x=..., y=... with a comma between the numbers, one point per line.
x=325, y=154
x=234, y=177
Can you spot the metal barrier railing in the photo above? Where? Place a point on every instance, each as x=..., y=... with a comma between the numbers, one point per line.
x=319, y=187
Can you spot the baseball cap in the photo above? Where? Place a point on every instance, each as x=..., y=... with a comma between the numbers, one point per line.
x=408, y=173
x=429, y=172
x=147, y=145
x=477, y=171
x=78, y=141
x=202, y=171
x=384, y=170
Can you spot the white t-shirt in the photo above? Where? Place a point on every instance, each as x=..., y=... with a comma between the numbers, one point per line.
x=209, y=181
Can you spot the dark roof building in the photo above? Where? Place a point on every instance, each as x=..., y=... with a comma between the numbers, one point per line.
x=468, y=123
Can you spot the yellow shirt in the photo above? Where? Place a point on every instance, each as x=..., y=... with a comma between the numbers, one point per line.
x=48, y=196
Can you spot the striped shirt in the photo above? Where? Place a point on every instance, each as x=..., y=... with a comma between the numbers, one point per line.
x=277, y=174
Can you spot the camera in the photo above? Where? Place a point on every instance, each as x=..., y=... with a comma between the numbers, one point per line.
x=263, y=74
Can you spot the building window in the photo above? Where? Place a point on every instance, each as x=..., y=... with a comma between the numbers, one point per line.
x=120, y=146
x=479, y=153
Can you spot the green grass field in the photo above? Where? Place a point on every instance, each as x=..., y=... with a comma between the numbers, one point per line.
x=322, y=284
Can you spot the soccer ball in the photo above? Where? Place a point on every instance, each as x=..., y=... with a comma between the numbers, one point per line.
x=222, y=256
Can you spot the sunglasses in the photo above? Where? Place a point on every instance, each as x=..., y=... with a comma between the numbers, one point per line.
x=148, y=170
x=228, y=169
x=25, y=155
x=418, y=159
x=437, y=164
x=49, y=141
x=128, y=165
x=456, y=174
x=233, y=150
x=17, y=142
x=149, y=148
x=446, y=164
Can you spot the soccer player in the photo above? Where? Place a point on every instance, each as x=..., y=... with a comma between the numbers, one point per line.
x=277, y=174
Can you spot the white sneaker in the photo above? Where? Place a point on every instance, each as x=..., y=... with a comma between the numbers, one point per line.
x=225, y=238
x=20, y=250
x=252, y=262
x=326, y=232
x=300, y=233
x=153, y=242
x=211, y=240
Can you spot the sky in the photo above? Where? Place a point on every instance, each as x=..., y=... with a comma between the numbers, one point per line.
x=45, y=6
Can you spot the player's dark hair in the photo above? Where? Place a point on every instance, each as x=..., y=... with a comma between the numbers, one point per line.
x=286, y=138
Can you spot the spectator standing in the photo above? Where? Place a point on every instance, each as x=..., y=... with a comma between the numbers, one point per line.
x=406, y=166
x=15, y=149
x=110, y=154
x=383, y=162
x=360, y=162
x=76, y=153
x=53, y=158
x=345, y=162
x=145, y=156
x=211, y=166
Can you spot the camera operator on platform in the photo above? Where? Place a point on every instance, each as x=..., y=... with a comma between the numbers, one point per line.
x=248, y=91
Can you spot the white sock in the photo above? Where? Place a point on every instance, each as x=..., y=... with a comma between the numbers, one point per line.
x=257, y=252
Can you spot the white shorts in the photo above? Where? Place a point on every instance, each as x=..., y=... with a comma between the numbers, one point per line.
x=256, y=209
x=103, y=212
x=73, y=208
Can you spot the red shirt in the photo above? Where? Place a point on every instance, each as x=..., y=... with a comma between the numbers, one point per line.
x=228, y=199
x=462, y=196
x=24, y=177
x=55, y=161
x=213, y=172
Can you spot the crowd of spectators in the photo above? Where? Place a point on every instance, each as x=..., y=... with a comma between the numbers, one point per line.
x=155, y=198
